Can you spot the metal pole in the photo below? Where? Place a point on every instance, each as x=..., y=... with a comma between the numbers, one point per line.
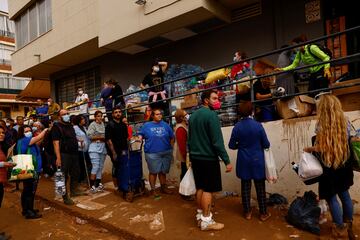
x=86, y=169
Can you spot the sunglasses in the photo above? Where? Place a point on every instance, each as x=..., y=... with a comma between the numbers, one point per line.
x=317, y=97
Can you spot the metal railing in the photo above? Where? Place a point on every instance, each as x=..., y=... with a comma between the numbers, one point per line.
x=339, y=61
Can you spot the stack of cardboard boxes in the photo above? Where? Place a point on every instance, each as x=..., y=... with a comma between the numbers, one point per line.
x=190, y=100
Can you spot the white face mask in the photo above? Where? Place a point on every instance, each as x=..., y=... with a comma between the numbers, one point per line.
x=8, y=124
x=81, y=92
x=187, y=117
x=49, y=103
x=28, y=134
x=156, y=68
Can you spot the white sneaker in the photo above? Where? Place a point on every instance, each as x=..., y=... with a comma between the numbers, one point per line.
x=93, y=189
x=211, y=225
x=101, y=187
x=198, y=217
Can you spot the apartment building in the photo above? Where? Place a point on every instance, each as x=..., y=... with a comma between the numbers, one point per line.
x=9, y=86
x=85, y=42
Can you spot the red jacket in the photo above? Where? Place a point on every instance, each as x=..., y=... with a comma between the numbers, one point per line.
x=237, y=68
x=3, y=170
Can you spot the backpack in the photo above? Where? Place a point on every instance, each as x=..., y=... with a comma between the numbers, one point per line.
x=323, y=48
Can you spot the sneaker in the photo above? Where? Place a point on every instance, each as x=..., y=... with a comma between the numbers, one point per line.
x=264, y=217
x=32, y=215
x=93, y=189
x=165, y=190
x=198, y=217
x=101, y=187
x=211, y=225
x=68, y=201
x=248, y=215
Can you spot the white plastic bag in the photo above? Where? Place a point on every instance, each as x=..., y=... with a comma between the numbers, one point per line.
x=187, y=184
x=309, y=167
x=270, y=166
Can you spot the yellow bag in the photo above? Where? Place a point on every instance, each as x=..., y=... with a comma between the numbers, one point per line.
x=216, y=75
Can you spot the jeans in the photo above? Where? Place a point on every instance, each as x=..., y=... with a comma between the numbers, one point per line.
x=337, y=213
x=97, y=162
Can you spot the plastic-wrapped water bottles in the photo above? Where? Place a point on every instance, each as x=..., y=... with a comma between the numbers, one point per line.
x=60, y=189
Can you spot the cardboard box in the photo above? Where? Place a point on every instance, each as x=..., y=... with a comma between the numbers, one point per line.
x=350, y=102
x=189, y=103
x=350, y=96
x=299, y=106
x=192, y=96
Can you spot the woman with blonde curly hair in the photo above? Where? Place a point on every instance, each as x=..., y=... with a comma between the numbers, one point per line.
x=332, y=144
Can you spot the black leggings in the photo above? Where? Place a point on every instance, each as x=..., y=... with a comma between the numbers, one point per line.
x=28, y=194
x=1, y=193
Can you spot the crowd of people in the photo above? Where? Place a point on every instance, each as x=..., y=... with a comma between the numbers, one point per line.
x=79, y=148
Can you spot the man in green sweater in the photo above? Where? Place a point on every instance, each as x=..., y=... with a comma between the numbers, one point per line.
x=206, y=146
x=311, y=54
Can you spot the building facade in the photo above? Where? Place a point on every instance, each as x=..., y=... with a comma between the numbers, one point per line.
x=10, y=86
x=85, y=42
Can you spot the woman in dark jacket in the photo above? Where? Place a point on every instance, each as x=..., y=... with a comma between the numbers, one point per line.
x=332, y=144
x=26, y=142
x=249, y=138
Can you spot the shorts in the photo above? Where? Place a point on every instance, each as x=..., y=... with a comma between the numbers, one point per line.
x=207, y=175
x=159, y=162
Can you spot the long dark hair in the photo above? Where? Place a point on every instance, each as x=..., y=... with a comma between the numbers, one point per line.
x=21, y=133
x=3, y=146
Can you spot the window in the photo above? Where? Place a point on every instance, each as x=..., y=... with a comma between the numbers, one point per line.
x=7, y=81
x=5, y=54
x=6, y=27
x=90, y=81
x=35, y=21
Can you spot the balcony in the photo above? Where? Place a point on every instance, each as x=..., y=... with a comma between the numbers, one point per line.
x=7, y=34
x=12, y=84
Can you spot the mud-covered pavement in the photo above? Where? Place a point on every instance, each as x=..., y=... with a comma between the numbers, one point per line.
x=107, y=216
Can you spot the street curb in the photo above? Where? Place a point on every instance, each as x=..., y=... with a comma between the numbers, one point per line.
x=91, y=220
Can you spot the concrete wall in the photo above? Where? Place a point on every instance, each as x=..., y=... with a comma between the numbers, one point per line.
x=287, y=139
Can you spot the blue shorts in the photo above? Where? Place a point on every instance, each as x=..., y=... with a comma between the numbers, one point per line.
x=159, y=162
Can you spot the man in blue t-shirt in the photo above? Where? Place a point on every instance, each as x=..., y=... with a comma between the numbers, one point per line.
x=159, y=140
x=41, y=112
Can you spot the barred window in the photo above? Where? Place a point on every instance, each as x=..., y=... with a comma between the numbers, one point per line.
x=89, y=80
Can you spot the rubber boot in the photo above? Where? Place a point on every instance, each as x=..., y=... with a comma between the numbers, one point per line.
x=350, y=231
x=339, y=232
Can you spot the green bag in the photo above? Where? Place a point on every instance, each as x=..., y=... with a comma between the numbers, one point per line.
x=355, y=147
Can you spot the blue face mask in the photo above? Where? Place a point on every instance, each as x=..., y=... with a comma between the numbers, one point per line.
x=34, y=129
x=66, y=118
x=28, y=134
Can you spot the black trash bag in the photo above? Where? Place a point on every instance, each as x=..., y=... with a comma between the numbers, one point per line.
x=276, y=199
x=304, y=213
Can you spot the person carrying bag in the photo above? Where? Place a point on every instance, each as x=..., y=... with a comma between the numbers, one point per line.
x=28, y=153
